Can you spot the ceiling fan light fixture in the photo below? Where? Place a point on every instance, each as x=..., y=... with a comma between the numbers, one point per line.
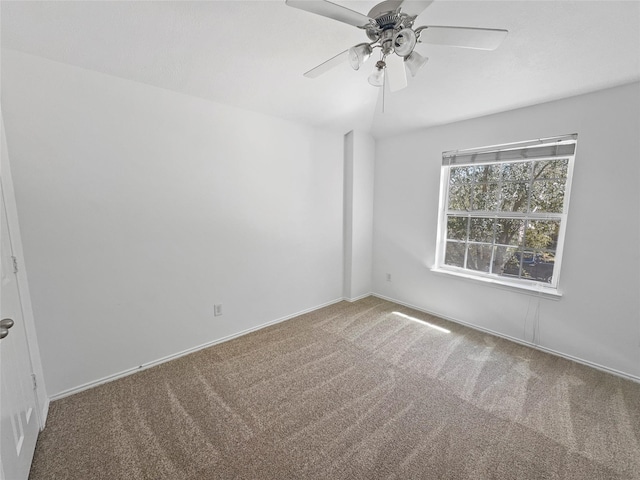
x=377, y=77
x=359, y=54
x=390, y=27
x=404, y=41
x=414, y=62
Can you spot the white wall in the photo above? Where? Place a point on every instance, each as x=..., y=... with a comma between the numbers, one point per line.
x=598, y=318
x=359, y=156
x=141, y=208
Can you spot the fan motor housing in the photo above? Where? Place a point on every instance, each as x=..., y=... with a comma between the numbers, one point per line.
x=383, y=8
x=387, y=16
x=387, y=20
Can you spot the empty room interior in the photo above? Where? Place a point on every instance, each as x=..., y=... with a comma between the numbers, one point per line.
x=305, y=239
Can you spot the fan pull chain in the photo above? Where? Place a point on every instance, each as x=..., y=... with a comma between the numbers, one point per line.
x=384, y=87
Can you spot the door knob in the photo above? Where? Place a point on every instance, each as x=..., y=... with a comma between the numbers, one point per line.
x=6, y=323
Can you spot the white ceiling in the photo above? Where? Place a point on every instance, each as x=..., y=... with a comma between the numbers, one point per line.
x=251, y=54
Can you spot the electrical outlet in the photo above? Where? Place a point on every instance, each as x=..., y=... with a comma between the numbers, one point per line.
x=217, y=310
x=388, y=277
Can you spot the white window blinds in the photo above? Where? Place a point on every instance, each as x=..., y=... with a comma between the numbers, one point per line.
x=561, y=146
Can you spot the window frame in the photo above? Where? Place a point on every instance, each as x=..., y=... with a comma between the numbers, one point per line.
x=444, y=212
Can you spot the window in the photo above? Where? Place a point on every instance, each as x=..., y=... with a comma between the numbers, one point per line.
x=503, y=212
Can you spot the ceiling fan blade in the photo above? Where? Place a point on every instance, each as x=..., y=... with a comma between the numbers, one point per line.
x=331, y=10
x=328, y=65
x=465, y=37
x=414, y=7
x=396, y=73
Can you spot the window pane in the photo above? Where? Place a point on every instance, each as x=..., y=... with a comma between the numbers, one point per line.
x=509, y=232
x=481, y=229
x=515, y=197
x=485, y=197
x=512, y=260
x=520, y=171
x=460, y=197
x=457, y=228
x=505, y=262
x=542, y=234
x=459, y=189
x=487, y=173
x=468, y=172
x=551, y=169
x=479, y=257
x=454, y=254
x=547, y=196
x=538, y=266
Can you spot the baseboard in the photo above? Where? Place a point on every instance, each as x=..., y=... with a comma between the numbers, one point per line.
x=588, y=363
x=129, y=371
x=355, y=299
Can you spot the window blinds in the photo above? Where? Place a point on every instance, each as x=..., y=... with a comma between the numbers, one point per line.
x=541, y=148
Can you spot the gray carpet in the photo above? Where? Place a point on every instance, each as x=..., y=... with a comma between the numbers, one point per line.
x=351, y=391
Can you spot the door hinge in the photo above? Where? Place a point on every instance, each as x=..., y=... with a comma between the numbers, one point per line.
x=15, y=264
x=35, y=383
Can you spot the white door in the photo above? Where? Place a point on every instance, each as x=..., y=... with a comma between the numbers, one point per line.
x=19, y=424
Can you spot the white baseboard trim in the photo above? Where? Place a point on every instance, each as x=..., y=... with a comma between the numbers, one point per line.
x=145, y=366
x=588, y=363
x=355, y=299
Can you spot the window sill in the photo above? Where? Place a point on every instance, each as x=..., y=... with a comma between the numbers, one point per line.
x=533, y=289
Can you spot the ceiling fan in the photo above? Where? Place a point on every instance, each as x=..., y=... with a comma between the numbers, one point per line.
x=389, y=26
